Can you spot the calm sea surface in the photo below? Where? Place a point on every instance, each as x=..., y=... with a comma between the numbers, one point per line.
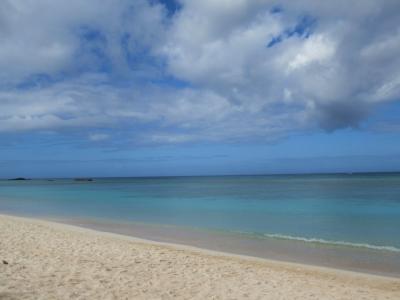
x=358, y=210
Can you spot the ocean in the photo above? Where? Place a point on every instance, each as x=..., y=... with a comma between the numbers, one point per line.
x=358, y=211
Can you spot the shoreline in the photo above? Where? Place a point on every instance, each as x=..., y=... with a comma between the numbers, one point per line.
x=354, y=259
x=184, y=247
x=205, y=250
x=361, y=261
x=95, y=251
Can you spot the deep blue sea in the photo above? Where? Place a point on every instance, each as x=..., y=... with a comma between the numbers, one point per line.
x=349, y=210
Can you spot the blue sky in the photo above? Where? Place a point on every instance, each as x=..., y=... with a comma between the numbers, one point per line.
x=149, y=88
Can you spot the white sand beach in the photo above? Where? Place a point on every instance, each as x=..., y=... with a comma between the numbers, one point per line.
x=45, y=260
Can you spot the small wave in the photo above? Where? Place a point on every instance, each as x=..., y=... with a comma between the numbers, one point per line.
x=335, y=243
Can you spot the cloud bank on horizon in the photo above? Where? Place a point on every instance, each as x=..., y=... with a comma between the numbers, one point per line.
x=229, y=70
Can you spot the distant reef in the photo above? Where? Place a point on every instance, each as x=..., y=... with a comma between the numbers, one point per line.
x=83, y=179
x=19, y=178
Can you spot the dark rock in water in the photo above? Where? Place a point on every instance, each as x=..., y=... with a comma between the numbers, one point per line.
x=83, y=179
x=5, y=262
x=19, y=178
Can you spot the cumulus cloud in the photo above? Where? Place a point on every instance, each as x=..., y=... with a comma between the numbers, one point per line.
x=211, y=71
x=320, y=68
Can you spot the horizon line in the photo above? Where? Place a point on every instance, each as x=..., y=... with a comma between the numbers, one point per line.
x=215, y=175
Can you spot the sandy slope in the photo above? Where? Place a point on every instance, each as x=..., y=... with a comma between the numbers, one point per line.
x=53, y=261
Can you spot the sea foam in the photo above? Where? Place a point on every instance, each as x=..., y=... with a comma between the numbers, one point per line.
x=332, y=243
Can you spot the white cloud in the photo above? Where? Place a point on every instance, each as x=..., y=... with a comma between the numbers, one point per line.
x=44, y=36
x=317, y=49
x=237, y=84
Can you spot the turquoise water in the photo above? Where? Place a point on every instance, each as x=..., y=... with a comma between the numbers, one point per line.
x=359, y=210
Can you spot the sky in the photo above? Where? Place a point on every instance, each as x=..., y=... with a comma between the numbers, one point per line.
x=198, y=87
